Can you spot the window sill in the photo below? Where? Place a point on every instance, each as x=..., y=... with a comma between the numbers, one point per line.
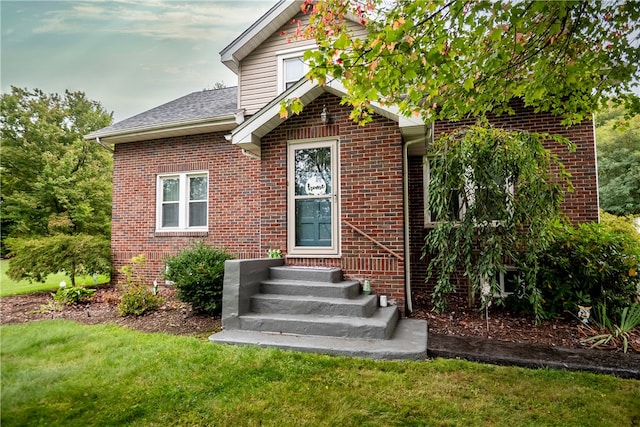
x=181, y=233
x=313, y=255
x=430, y=225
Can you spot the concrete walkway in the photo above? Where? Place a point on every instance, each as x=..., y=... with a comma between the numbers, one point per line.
x=534, y=355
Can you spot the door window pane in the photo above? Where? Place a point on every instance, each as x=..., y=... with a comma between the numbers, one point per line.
x=313, y=222
x=313, y=171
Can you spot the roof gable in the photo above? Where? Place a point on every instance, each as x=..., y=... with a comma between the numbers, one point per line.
x=281, y=13
x=248, y=135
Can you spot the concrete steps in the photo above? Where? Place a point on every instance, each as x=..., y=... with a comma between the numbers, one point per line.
x=313, y=309
x=378, y=326
x=360, y=306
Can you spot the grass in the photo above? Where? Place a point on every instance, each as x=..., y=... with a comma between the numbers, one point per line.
x=60, y=373
x=9, y=287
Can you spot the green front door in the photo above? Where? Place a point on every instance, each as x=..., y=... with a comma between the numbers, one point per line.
x=313, y=197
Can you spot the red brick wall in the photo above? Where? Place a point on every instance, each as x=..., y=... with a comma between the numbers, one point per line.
x=370, y=187
x=233, y=198
x=580, y=206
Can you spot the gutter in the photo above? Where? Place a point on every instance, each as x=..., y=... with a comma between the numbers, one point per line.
x=180, y=128
x=103, y=145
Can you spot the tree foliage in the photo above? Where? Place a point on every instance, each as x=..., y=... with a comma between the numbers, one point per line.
x=618, y=144
x=453, y=59
x=35, y=258
x=56, y=187
x=504, y=198
x=52, y=179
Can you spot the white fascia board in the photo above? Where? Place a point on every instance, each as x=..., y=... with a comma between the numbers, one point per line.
x=249, y=133
x=257, y=33
x=224, y=123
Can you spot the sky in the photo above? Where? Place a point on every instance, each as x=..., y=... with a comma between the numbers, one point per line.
x=128, y=55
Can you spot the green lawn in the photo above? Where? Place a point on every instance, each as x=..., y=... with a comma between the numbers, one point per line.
x=10, y=287
x=60, y=373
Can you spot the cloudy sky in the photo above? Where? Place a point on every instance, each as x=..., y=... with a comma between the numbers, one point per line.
x=128, y=55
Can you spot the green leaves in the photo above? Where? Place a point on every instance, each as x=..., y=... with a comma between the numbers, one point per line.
x=466, y=58
x=618, y=162
x=35, y=258
x=48, y=170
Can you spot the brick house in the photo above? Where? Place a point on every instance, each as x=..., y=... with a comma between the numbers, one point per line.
x=221, y=166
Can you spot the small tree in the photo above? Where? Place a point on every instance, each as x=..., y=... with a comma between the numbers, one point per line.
x=504, y=197
x=35, y=258
x=198, y=273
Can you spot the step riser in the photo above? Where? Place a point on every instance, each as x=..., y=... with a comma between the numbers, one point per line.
x=346, y=329
x=329, y=275
x=327, y=308
x=349, y=289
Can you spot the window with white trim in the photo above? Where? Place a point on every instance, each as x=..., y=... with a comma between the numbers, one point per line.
x=510, y=282
x=291, y=67
x=455, y=205
x=182, y=201
x=484, y=198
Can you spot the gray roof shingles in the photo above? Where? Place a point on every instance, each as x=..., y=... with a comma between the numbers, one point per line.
x=197, y=106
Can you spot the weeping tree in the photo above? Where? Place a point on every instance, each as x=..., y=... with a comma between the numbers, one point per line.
x=494, y=195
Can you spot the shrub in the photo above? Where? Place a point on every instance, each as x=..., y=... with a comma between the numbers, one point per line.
x=137, y=298
x=198, y=274
x=593, y=264
x=70, y=295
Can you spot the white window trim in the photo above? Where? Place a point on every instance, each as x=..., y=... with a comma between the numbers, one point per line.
x=501, y=279
x=313, y=251
x=283, y=55
x=183, y=203
x=426, y=179
x=470, y=194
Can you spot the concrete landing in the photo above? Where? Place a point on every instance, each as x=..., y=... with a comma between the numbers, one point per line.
x=409, y=341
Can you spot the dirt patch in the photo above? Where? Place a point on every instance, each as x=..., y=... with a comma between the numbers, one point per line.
x=175, y=317
x=566, y=331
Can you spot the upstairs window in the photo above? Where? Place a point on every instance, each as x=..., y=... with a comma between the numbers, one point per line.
x=182, y=202
x=294, y=70
x=291, y=68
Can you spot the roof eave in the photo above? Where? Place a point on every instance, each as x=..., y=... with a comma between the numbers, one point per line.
x=248, y=135
x=258, y=32
x=166, y=130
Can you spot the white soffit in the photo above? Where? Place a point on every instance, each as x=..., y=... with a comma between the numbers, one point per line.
x=249, y=133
